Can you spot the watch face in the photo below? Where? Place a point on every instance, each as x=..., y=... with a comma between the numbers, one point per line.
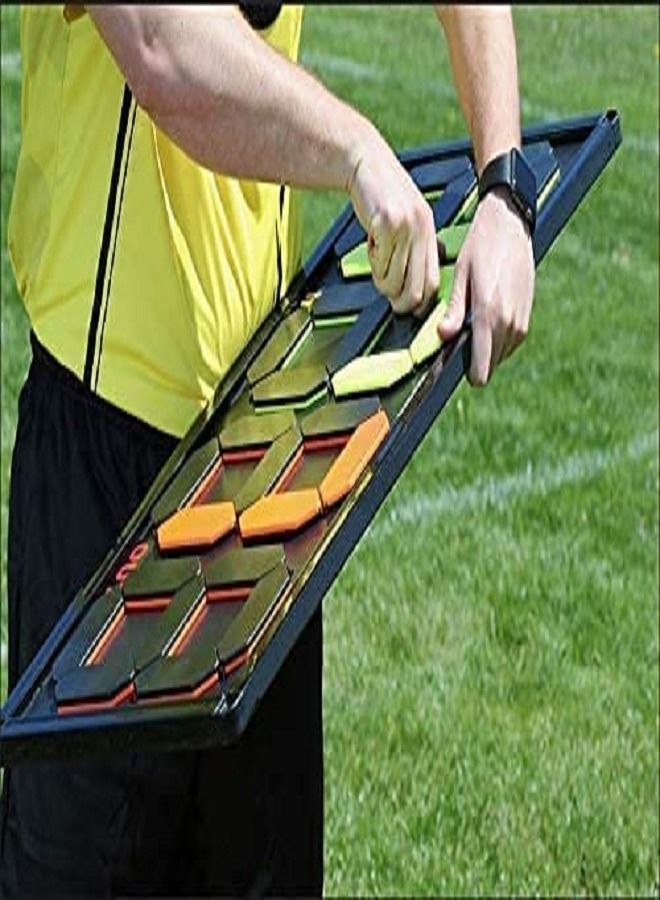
x=523, y=208
x=523, y=180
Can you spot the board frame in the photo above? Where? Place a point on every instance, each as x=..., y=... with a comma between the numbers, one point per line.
x=208, y=722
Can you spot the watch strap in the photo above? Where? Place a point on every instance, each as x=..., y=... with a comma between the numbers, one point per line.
x=512, y=171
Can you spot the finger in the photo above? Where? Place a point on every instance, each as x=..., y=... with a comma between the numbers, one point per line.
x=380, y=247
x=431, y=275
x=442, y=250
x=451, y=322
x=522, y=315
x=518, y=333
x=391, y=285
x=501, y=337
x=481, y=351
x=412, y=293
x=508, y=346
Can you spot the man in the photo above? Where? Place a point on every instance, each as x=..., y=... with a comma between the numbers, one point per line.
x=152, y=229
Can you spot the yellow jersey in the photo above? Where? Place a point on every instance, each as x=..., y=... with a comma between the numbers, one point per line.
x=142, y=272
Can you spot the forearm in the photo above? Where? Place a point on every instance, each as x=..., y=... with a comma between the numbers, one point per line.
x=229, y=100
x=482, y=51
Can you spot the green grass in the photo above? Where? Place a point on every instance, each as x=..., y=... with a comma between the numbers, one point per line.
x=491, y=662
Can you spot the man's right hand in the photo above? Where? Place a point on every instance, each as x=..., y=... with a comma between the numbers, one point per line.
x=402, y=244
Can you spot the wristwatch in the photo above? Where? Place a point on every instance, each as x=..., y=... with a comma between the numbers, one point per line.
x=512, y=171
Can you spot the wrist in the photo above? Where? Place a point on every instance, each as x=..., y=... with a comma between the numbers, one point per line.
x=499, y=201
x=512, y=175
x=363, y=139
x=495, y=149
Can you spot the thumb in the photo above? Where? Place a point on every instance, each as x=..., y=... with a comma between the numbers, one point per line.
x=452, y=320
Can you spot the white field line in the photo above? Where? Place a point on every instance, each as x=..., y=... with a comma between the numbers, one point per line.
x=342, y=65
x=497, y=493
x=642, y=143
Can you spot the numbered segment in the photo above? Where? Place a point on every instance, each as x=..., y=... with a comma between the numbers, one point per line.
x=168, y=629
x=253, y=433
x=196, y=526
x=96, y=688
x=171, y=679
x=156, y=578
x=286, y=337
x=105, y=679
x=446, y=283
x=355, y=264
x=103, y=616
x=191, y=666
x=296, y=388
x=241, y=567
x=270, y=469
x=254, y=618
x=354, y=458
x=367, y=374
x=397, y=335
x=343, y=301
x=189, y=482
x=362, y=335
x=280, y=514
x=427, y=341
x=337, y=418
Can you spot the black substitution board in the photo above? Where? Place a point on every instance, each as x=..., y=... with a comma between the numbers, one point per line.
x=182, y=628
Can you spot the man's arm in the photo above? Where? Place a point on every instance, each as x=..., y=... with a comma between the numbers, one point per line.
x=237, y=106
x=482, y=50
x=495, y=270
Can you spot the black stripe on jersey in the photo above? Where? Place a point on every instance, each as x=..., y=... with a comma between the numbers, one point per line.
x=278, y=247
x=114, y=245
x=106, y=236
x=279, y=224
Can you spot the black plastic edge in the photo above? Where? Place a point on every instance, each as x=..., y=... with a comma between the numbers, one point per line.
x=590, y=159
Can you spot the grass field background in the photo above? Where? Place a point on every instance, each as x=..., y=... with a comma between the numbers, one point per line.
x=491, y=658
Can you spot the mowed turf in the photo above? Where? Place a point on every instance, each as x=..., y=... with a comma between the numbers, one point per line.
x=491, y=648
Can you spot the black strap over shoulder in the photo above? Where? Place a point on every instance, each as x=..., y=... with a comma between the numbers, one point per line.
x=260, y=15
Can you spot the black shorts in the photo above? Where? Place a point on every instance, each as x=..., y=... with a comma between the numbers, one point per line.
x=237, y=820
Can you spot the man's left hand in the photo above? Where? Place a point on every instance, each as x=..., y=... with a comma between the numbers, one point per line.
x=494, y=277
